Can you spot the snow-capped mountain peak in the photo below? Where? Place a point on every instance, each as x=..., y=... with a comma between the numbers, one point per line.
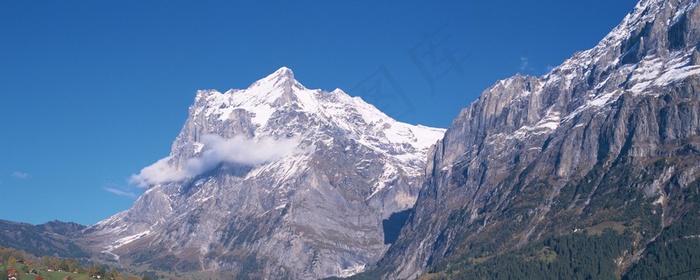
x=282, y=78
x=269, y=100
x=276, y=172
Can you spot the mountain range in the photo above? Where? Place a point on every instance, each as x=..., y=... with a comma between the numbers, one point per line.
x=590, y=171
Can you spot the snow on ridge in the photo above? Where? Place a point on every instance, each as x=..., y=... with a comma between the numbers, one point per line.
x=614, y=38
x=112, y=220
x=657, y=71
x=651, y=73
x=394, y=132
x=636, y=17
x=335, y=107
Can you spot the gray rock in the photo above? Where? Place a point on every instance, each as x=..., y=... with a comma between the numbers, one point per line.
x=532, y=144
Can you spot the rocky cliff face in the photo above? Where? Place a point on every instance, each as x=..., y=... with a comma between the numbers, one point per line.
x=609, y=136
x=277, y=181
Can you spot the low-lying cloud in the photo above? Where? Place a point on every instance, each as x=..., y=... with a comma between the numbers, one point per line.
x=217, y=150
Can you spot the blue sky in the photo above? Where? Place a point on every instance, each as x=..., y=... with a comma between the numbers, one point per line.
x=93, y=91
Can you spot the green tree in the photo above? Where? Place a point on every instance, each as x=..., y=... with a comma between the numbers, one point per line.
x=92, y=271
x=46, y=261
x=102, y=270
x=63, y=265
x=55, y=263
x=73, y=265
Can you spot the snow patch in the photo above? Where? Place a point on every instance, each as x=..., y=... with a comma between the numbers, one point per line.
x=659, y=201
x=547, y=124
x=281, y=206
x=355, y=269
x=659, y=73
x=389, y=175
x=123, y=241
x=131, y=238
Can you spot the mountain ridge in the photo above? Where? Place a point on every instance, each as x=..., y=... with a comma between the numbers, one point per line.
x=533, y=155
x=50, y=238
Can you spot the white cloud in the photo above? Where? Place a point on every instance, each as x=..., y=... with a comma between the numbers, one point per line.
x=159, y=172
x=121, y=192
x=217, y=150
x=20, y=175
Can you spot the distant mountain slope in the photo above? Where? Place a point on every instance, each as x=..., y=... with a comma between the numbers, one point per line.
x=276, y=181
x=610, y=139
x=52, y=238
